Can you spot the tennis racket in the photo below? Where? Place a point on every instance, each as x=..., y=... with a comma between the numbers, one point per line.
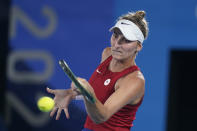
x=73, y=78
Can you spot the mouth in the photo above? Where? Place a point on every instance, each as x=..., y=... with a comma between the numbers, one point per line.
x=116, y=51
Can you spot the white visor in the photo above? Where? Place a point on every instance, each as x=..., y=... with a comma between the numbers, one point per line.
x=130, y=30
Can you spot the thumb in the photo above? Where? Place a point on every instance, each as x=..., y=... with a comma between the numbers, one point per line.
x=50, y=91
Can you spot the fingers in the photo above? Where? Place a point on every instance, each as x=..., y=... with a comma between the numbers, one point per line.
x=50, y=91
x=53, y=111
x=81, y=81
x=75, y=89
x=66, y=113
x=58, y=113
x=73, y=86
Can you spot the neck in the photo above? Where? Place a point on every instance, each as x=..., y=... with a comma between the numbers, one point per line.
x=120, y=65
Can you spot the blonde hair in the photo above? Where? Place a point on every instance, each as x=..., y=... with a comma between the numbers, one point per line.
x=137, y=18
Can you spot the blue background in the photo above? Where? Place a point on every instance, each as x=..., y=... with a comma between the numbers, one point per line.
x=80, y=34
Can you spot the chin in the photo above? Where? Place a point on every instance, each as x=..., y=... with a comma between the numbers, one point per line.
x=120, y=57
x=117, y=57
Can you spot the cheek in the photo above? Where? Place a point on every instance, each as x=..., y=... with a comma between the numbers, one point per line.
x=129, y=49
x=112, y=41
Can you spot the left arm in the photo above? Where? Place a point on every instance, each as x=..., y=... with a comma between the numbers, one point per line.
x=128, y=90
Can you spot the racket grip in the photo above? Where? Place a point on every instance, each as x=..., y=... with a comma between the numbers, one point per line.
x=73, y=78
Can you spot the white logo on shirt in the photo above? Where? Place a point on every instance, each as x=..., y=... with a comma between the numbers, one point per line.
x=98, y=71
x=107, y=82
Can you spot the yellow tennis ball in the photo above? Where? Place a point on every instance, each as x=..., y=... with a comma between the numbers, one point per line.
x=45, y=104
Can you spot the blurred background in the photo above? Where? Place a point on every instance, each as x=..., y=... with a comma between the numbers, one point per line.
x=35, y=34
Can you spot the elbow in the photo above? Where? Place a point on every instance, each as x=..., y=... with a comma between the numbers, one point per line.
x=100, y=115
x=100, y=120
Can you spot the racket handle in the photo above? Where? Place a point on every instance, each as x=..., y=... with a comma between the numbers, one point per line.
x=73, y=78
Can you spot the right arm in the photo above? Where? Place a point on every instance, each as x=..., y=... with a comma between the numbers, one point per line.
x=63, y=97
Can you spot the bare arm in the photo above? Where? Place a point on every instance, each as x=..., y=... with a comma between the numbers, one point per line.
x=106, y=53
x=129, y=90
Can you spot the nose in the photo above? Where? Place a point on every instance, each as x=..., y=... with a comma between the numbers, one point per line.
x=117, y=43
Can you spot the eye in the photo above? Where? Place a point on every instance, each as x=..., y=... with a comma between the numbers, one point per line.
x=127, y=41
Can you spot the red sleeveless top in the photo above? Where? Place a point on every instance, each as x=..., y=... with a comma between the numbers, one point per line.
x=103, y=82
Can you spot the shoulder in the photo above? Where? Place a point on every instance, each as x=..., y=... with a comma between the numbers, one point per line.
x=106, y=53
x=134, y=77
x=138, y=77
x=132, y=84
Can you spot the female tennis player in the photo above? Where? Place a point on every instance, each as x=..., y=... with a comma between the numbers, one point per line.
x=117, y=84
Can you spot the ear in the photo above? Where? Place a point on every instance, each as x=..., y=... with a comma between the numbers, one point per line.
x=139, y=46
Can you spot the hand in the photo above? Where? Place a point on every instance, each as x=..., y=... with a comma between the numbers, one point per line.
x=62, y=99
x=85, y=84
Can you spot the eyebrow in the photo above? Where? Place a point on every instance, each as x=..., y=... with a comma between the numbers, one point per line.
x=117, y=31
